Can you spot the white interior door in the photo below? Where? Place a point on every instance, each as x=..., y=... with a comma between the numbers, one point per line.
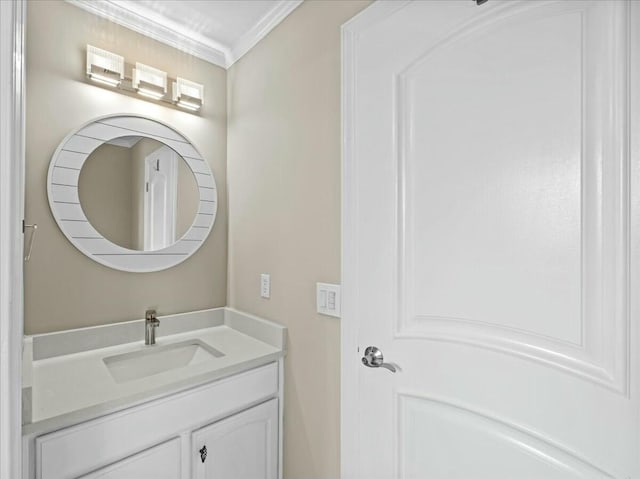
x=491, y=240
x=160, y=199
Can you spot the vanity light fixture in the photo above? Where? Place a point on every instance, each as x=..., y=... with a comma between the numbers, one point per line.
x=104, y=67
x=188, y=94
x=149, y=81
x=110, y=69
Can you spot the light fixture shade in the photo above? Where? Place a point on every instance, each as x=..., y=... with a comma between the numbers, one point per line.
x=149, y=81
x=104, y=66
x=188, y=94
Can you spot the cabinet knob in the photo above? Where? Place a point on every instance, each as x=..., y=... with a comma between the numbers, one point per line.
x=203, y=453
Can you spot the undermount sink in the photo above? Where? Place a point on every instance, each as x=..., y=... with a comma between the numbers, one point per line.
x=158, y=359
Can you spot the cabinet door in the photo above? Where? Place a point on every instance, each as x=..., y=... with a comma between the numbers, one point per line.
x=159, y=462
x=244, y=446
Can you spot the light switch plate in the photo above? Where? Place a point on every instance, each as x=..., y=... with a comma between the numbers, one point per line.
x=265, y=285
x=328, y=299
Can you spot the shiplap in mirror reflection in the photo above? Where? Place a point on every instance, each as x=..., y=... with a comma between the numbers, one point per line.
x=62, y=184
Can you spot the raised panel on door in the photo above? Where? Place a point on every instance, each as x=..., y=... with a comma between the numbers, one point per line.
x=159, y=462
x=478, y=210
x=244, y=446
x=488, y=251
x=507, y=167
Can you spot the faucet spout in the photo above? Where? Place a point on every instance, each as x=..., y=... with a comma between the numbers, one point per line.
x=150, y=325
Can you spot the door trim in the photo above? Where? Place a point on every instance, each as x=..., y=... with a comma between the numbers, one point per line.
x=12, y=26
x=171, y=207
x=350, y=362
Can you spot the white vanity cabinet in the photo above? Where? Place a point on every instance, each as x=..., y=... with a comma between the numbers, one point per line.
x=159, y=462
x=244, y=446
x=237, y=418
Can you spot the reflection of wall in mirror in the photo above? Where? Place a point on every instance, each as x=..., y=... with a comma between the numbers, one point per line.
x=105, y=190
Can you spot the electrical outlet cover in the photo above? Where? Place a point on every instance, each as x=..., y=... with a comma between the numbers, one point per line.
x=265, y=285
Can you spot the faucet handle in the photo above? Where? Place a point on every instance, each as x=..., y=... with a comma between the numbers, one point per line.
x=150, y=314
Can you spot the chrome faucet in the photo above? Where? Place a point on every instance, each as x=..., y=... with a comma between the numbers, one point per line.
x=150, y=325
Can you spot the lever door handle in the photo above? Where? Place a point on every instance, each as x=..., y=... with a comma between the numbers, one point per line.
x=373, y=358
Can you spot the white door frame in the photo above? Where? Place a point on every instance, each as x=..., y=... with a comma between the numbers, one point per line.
x=12, y=26
x=349, y=400
x=171, y=208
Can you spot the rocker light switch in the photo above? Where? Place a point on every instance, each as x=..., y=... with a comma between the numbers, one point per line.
x=328, y=299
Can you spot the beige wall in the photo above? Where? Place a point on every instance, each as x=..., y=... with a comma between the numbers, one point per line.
x=63, y=288
x=284, y=197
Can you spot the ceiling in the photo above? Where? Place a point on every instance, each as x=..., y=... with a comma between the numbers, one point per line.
x=219, y=31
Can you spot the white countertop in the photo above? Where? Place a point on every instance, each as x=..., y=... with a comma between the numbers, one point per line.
x=71, y=388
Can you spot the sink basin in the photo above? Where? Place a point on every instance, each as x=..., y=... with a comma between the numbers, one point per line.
x=154, y=360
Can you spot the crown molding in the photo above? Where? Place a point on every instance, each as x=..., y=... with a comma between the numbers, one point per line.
x=176, y=36
x=159, y=29
x=279, y=12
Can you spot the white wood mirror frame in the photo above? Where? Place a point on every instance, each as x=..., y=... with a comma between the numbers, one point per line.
x=62, y=189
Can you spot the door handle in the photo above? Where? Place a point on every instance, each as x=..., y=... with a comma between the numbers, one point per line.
x=373, y=358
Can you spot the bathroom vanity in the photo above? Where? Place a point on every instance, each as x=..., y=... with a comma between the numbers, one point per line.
x=203, y=399
x=204, y=402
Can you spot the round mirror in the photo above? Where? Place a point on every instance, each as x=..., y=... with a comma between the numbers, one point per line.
x=132, y=193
